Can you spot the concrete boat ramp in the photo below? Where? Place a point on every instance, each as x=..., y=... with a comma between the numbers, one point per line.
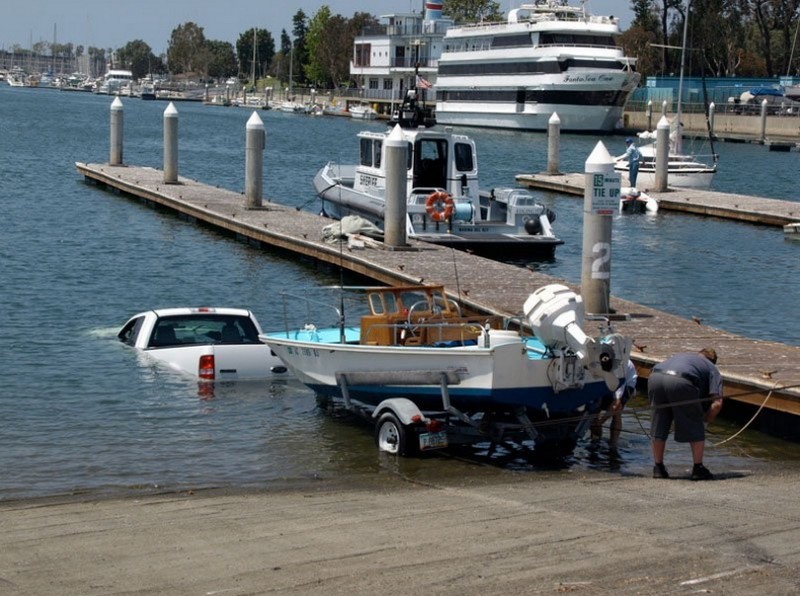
x=756, y=372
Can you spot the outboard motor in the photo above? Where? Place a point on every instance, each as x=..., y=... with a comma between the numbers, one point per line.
x=556, y=316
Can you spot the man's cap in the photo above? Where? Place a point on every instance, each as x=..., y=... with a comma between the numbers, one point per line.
x=629, y=140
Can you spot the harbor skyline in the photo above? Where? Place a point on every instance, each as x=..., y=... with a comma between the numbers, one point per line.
x=95, y=23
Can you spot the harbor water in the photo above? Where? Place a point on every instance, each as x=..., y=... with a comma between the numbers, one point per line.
x=82, y=413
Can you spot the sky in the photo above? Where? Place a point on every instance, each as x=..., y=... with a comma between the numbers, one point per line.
x=113, y=23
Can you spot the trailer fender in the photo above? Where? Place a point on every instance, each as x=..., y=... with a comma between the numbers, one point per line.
x=406, y=410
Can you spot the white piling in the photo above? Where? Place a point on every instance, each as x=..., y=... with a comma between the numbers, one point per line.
x=763, y=136
x=600, y=203
x=255, y=142
x=171, y=144
x=117, y=130
x=650, y=114
x=711, y=109
x=553, y=144
x=664, y=108
x=396, y=160
x=662, y=154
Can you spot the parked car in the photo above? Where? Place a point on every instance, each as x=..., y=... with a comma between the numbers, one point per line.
x=207, y=343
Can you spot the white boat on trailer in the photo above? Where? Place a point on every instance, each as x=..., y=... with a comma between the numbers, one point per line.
x=428, y=376
x=445, y=205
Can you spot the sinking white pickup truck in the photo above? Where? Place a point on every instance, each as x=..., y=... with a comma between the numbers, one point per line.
x=213, y=344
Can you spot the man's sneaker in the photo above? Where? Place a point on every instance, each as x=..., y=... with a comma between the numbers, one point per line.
x=659, y=471
x=700, y=472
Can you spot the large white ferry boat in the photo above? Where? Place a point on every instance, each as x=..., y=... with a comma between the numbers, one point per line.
x=547, y=57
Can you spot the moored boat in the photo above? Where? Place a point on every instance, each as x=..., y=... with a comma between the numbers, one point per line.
x=416, y=344
x=792, y=231
x=633, y=200
x=444, y=203
x=547, y=57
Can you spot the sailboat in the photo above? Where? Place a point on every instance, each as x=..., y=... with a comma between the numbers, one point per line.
x=290, y=105
x=683, y=170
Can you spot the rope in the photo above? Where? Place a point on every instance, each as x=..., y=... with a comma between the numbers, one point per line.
x=749, y=422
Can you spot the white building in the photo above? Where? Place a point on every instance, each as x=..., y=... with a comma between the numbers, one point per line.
x=386, y=59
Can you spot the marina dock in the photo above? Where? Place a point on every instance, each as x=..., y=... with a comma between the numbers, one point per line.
x=756, y=372
x=768, y=212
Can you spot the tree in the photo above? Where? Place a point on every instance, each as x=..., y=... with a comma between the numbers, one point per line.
x=265, y=52
x=186, y=48
x=222, y=63
x=138, y=57
x=299, y=31
x=472, y=11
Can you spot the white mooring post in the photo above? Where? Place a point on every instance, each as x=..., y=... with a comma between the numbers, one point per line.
x=711, y=109
x=763, y=136
x=117, y=121
x=553, y=144
x=255, y=142
x=171, y=144
x=649, y=113
x=664, y=108
x=662, y=154
x=396, y=158
x=600, y=203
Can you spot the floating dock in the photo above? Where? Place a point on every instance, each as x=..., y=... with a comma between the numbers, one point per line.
x=755, y=372
x=769, y=212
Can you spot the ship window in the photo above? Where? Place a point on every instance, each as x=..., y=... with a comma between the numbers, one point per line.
x=512, y=41
x=366, y=152
x=464, y=160
x=377, y=147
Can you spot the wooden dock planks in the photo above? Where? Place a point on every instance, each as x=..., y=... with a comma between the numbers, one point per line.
x=480, y=284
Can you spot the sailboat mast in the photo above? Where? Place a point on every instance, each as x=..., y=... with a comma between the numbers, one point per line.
x=679, y=126
x=253, y=65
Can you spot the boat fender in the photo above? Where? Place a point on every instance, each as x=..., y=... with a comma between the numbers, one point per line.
x=405, y=410
x=439, y=205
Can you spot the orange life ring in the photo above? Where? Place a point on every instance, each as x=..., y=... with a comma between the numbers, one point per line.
x=439, y=205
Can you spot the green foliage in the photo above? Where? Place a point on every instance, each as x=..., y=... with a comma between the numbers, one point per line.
x=137, y=57
x=222, y=59
x=186, y=51
x=472, y=11
x=265, y=52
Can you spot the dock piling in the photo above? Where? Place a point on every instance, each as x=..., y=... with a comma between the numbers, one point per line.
x=763, y=135
x=711, y=109
x=553, y=144
x=117, y=130
x=662, y=154
x=171, y=144
x=649, y=113
x=396, y=188
x=255, y=142
x=600, y=202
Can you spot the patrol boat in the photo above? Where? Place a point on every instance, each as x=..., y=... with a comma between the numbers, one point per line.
x=444, y=205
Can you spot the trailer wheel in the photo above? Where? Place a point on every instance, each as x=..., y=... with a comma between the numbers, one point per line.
x=393, y=437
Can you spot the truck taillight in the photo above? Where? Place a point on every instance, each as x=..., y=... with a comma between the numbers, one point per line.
x=206, y=370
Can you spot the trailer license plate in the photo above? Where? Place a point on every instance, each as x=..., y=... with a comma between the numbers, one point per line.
x=437, y=440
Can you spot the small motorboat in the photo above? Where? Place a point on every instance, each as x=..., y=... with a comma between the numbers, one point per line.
x=416, y=355
x=792, y=231
x=633, y=200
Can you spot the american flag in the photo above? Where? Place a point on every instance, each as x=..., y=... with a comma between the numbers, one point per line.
x=423, y=83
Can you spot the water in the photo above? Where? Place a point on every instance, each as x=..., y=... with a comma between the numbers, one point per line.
x=80, y=412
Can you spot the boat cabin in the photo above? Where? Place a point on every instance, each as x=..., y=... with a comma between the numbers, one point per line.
x=436, y=160
x=418, y=315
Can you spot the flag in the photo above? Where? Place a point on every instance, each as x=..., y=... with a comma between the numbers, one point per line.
x=422, y=83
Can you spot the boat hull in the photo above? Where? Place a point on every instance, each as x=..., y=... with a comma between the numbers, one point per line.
x=499, y=379
x=574, y=118
x=487, y=239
